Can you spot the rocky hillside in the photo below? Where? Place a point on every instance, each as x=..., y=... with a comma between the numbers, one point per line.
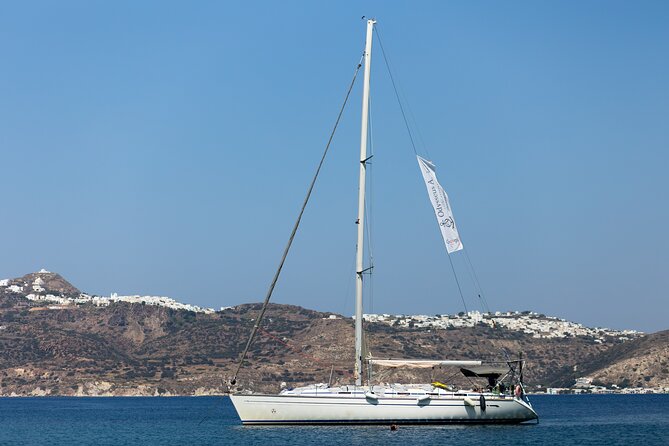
x=123, y=348
x=642, y=362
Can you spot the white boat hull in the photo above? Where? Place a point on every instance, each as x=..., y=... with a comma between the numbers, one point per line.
x=357, y=409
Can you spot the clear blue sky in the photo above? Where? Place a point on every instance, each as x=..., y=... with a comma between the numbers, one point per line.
x=165, y=147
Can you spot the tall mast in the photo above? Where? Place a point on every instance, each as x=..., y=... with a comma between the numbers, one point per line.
x=360, y=248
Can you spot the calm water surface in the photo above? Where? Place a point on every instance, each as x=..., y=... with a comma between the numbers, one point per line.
x=567, y=419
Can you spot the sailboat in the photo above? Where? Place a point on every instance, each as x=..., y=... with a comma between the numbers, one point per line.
x=367, y=403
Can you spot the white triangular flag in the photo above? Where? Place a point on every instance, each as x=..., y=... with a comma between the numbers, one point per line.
x=442, y=208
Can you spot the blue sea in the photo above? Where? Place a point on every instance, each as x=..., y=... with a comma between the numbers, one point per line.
x=565, y=419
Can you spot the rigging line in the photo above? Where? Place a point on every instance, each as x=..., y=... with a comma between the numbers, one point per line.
x=411, y=119
x=473, y=282
x=349, y=284
x=371, y=291
x=476, y=340
x=370, y=253
x=392, y=80
x=478, y=283
x=477, y=287
x=369, y=210
x=449, y=377
x=369, y=203
x=458, y=283
x=421, y=141
x=294, y=231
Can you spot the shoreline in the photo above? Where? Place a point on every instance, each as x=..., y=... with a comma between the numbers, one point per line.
x=664, y=392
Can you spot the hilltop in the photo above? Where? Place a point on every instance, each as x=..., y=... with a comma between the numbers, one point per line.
x=47, y=287
x=58, y=341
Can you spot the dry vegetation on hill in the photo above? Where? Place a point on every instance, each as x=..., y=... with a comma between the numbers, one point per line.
x=134, y=349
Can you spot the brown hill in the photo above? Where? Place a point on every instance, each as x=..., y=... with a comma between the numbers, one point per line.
x=135, y=349
x=642, y=362
x=51, y=283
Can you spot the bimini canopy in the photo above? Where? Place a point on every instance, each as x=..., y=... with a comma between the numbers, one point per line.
x=422, y=363
x=485, y=371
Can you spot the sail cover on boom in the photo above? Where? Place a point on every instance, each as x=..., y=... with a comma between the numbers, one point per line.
x=442, y=209
x=423, y=363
